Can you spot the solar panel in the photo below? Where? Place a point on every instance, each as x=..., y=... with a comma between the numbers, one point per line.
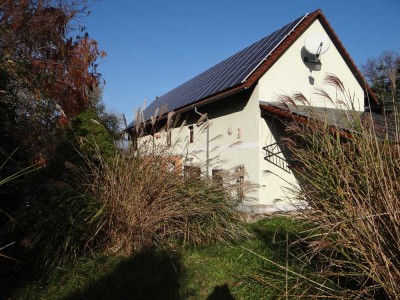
x=226, y=74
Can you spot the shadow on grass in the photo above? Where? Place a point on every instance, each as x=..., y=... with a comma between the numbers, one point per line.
x=13, y=275
x=221, y=292
x=146, y=275
x=277, y=234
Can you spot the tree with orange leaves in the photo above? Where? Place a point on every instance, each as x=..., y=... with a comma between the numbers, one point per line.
x=47, y=71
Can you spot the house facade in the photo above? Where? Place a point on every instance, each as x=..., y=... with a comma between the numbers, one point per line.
x=234, y=133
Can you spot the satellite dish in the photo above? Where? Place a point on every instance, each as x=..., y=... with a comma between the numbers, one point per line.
x=317, y=43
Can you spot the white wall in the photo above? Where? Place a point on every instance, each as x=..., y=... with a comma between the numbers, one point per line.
x=290, y=75
x=233, y=134
x=234, y=139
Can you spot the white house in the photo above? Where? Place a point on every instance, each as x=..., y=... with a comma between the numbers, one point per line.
x=239, y=97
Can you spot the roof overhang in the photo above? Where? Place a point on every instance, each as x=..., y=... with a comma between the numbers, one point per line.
x=343, y=122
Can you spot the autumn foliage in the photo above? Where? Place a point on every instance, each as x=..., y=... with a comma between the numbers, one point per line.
x=48, y=70
x=39, y=52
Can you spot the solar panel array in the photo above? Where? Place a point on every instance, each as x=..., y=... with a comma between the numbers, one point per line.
x=226, y=74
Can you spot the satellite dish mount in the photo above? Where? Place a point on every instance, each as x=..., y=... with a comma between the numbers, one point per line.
x=315, y=44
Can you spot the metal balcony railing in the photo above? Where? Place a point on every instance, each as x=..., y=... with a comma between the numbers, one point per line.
x=272, y=152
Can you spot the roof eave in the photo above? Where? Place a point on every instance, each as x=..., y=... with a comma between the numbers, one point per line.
x=231, y=91
x=286, y=114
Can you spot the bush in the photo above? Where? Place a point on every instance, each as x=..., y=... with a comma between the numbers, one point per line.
x=89, y=136
x=58, y=220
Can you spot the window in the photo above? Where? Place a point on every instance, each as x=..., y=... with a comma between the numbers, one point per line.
x=169, y=138
x=191, y=172
x=133, y=138
x=239, y=174
x=191, y=134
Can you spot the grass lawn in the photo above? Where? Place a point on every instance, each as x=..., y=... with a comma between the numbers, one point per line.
x=214, y=272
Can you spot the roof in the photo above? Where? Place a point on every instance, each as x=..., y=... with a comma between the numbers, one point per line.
x=384, y=126
x=243, y=70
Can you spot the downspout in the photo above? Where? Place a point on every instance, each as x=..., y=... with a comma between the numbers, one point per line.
x=208, y=139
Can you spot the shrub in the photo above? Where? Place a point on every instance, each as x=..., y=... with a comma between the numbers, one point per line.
x=57, y=220
x=89, y=136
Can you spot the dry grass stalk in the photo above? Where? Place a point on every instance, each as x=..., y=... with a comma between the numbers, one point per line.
x=147, y=201
x=349, y=195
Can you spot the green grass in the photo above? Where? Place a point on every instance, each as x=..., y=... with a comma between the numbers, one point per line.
x=214, y=272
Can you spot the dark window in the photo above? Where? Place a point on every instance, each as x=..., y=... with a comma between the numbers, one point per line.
x=239, y=174
x=135, y=144
x=191, y=134
x=135, y=141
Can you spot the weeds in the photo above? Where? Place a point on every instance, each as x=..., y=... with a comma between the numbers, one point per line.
x=4, y=180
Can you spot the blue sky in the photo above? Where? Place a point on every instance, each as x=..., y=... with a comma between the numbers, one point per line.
x=153, y=45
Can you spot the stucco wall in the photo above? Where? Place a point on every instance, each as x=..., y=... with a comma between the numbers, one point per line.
x=233, y=136
x=290, y=75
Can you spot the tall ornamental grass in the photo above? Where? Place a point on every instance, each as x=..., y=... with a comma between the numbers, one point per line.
x=146, y=204
x=348, y=195
x=149, y=201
